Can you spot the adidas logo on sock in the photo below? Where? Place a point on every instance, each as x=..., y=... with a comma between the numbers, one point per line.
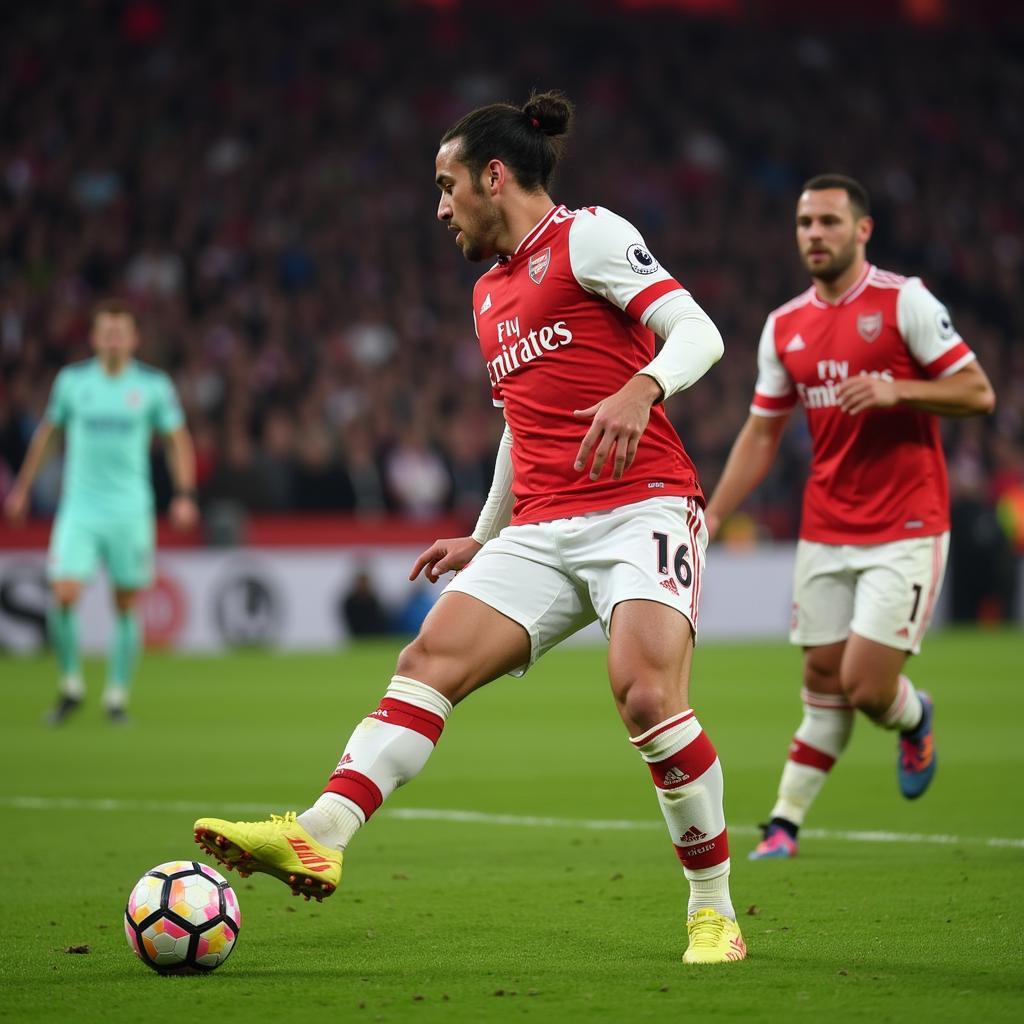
x=674, y=777
x=346, y=759
x=693, y=835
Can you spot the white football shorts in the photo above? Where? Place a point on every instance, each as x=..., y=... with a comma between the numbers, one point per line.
x=554, y=578
x=883, y=592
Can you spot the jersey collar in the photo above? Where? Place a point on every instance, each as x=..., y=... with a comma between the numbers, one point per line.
x=849, y=295
x=534, y=235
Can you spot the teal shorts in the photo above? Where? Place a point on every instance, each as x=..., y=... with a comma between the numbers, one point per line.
x=125, y=547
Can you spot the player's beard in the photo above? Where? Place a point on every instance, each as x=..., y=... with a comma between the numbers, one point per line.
x=837, y=266
x=482, y=227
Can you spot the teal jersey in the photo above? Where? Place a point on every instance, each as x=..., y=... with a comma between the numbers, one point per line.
x=108, y=425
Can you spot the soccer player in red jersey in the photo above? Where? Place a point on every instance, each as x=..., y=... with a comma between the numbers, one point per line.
x=874, y=358
x=594, y=513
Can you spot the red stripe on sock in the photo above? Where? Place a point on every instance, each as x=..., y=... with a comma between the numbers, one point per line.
x=803, y=753
x=686, y=765
x=706, y=853
x=355, y=786
x=408, y=716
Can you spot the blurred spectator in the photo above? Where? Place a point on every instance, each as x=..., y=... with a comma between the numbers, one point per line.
x=320, y=482
x=417, y=605
x=274, y=464
x=417, y=480
x=364, y=473
x=236, y=481
x=363, y=612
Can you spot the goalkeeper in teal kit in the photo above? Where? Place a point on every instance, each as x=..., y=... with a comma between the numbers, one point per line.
x=108, y=409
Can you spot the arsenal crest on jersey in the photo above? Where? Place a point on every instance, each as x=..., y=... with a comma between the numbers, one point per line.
x=538, y=265
x=869, y=326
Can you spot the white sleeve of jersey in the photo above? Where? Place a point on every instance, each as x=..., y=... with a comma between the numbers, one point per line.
x=609, y=258
x=774, y=394
x=928, y=331
x=497, y=510
x=692, y=346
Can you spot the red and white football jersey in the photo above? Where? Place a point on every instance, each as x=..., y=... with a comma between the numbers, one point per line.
x=561, y=327
x=881, y=475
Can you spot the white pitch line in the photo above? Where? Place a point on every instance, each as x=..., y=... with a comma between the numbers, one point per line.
x=33, y=803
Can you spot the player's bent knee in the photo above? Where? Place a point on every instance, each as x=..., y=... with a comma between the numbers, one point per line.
x=66, y=592
x=822, y=670
x=413, y=658
x=819, y=681
x=865, y=693
x=644, y=704
x=429, y=661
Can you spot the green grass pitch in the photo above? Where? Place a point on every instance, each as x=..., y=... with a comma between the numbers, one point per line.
x=509, y=919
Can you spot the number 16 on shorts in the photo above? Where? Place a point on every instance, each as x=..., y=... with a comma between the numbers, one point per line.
x=680, y=564
x=677, y=558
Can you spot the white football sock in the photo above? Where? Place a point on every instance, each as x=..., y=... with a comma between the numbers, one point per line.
x=822, y=736
x=688, y=782
x=387, y=749
x=72, y=686
x=905, y=711
x=331, y=821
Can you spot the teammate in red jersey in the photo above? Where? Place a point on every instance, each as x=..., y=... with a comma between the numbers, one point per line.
x=607, y=520
x=873, y=357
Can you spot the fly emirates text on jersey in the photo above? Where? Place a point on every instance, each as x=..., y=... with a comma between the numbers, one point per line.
x=518, y=350
x=832, y=371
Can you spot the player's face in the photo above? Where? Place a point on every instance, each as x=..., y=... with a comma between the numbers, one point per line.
x=114, y=338
x=829, y=233
x=465, y=206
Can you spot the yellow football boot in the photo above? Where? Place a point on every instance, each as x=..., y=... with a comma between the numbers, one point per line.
x=280, y=847
x=714, y=939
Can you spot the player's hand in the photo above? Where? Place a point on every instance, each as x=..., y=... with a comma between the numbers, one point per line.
x=445, y=555
x=16, y=505
x=183, y=513
x=858, y=394
x=617, y=425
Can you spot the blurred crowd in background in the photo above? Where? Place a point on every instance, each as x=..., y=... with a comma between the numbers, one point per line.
x=258, y=179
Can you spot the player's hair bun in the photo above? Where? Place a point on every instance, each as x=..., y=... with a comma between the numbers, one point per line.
x=552, y=112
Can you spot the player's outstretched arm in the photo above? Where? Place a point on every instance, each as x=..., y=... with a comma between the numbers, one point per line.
x=752, y=455
x=967, y=392
x=456, y=553
x=17, y=504
x=181, y=459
